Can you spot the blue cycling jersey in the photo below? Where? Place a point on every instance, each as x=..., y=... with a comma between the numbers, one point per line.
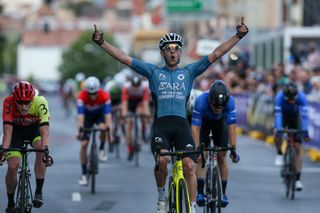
x=202, y=109
x=299, y=108
x=170, y=89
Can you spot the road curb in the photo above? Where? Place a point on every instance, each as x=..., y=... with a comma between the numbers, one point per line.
x=312, y=153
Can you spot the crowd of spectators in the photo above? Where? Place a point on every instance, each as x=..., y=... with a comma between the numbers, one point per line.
x=303, y=69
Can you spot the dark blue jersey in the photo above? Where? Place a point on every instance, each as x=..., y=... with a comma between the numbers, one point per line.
x=299, y=108
x=170, y=89
x=202, y=109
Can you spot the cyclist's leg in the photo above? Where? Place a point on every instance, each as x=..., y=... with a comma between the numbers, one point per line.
x=88, y=123
x=221, y=138
x=145, y=110
x=39, y=171
x=201, y=172
x=132, y=106
x=102, y=124
x=293, y=123
x=184, y=141
x=161, y=139
x=13, y=159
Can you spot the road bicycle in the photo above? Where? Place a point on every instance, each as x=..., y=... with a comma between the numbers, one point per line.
x=289, y=170
x=178, y=196
x=93, y=162
x=213, y=186
x=136, y=134
x=24, y=196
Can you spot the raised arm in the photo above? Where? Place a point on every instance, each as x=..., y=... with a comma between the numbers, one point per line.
x=116, y=53
x=222, y=49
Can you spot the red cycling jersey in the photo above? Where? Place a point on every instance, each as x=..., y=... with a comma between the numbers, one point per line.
x=131, y=93
x=37, y=114
x=87, y=105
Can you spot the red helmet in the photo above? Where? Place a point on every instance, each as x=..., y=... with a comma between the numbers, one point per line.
x=23, y=91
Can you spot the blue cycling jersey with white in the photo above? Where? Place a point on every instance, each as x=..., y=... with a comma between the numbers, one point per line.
x=170, y=89
x=202, y=109
x=299, y=108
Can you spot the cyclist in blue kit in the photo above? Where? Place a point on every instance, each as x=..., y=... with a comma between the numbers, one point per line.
x=291, y=111
x=170, y=88
x=214, y=112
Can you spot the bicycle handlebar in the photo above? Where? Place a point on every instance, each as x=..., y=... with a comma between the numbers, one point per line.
x=180, y=154
x=292, y=131
x=26, y=150
x=218, y=149
x=132, y=115
x=94, y=129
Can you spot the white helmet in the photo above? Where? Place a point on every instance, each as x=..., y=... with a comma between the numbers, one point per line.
x=92, y=84
x=170, y=38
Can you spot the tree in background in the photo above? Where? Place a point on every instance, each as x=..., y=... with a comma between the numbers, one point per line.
x=85, y=57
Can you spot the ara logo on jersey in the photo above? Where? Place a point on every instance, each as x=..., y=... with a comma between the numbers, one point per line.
x=174, y=86
x=180, y=77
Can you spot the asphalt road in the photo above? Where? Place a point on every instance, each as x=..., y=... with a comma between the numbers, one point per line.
x=254, y=183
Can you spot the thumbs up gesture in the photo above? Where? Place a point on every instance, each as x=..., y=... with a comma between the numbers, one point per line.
x=242, y=29
x=97, y=36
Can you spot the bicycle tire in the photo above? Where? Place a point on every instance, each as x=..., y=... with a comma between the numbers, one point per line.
x=183, y=197
x=208, y=190
x=93, y=167
x=135, y=143
x=171, y=195
x=290, y=172
x=21, y=195
x=217, y=189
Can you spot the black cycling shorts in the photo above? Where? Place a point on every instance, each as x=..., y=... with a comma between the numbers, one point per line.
x=292, y=122
x=89, y=121
x=23, y=133
x=133, y=104
x=172, y=131
x=219, y=130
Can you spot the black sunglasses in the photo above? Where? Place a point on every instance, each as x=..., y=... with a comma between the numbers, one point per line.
x=23, y=102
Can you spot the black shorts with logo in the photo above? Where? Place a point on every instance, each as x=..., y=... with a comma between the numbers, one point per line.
x=172, y=131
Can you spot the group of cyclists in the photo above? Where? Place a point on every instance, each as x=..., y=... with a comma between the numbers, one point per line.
x=26, y=116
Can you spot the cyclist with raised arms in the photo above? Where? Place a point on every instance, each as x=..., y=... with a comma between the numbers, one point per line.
x=94, y=107
x=170, y=88
x=135, y=97
x=291, y=111
x=25, y=117
x=214, y=112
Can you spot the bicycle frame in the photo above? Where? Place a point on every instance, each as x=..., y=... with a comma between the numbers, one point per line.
x=93, y=166
x=177, y=177
x=136, y=138
x=289, y=169
x=213, y=200
x=24, y=196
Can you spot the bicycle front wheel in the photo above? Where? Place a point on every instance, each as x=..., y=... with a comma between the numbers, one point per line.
x=171, y=195
x=216, y=191
x=183, y=198
x=21, y=192
x=93, y=168
x=290, y=168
